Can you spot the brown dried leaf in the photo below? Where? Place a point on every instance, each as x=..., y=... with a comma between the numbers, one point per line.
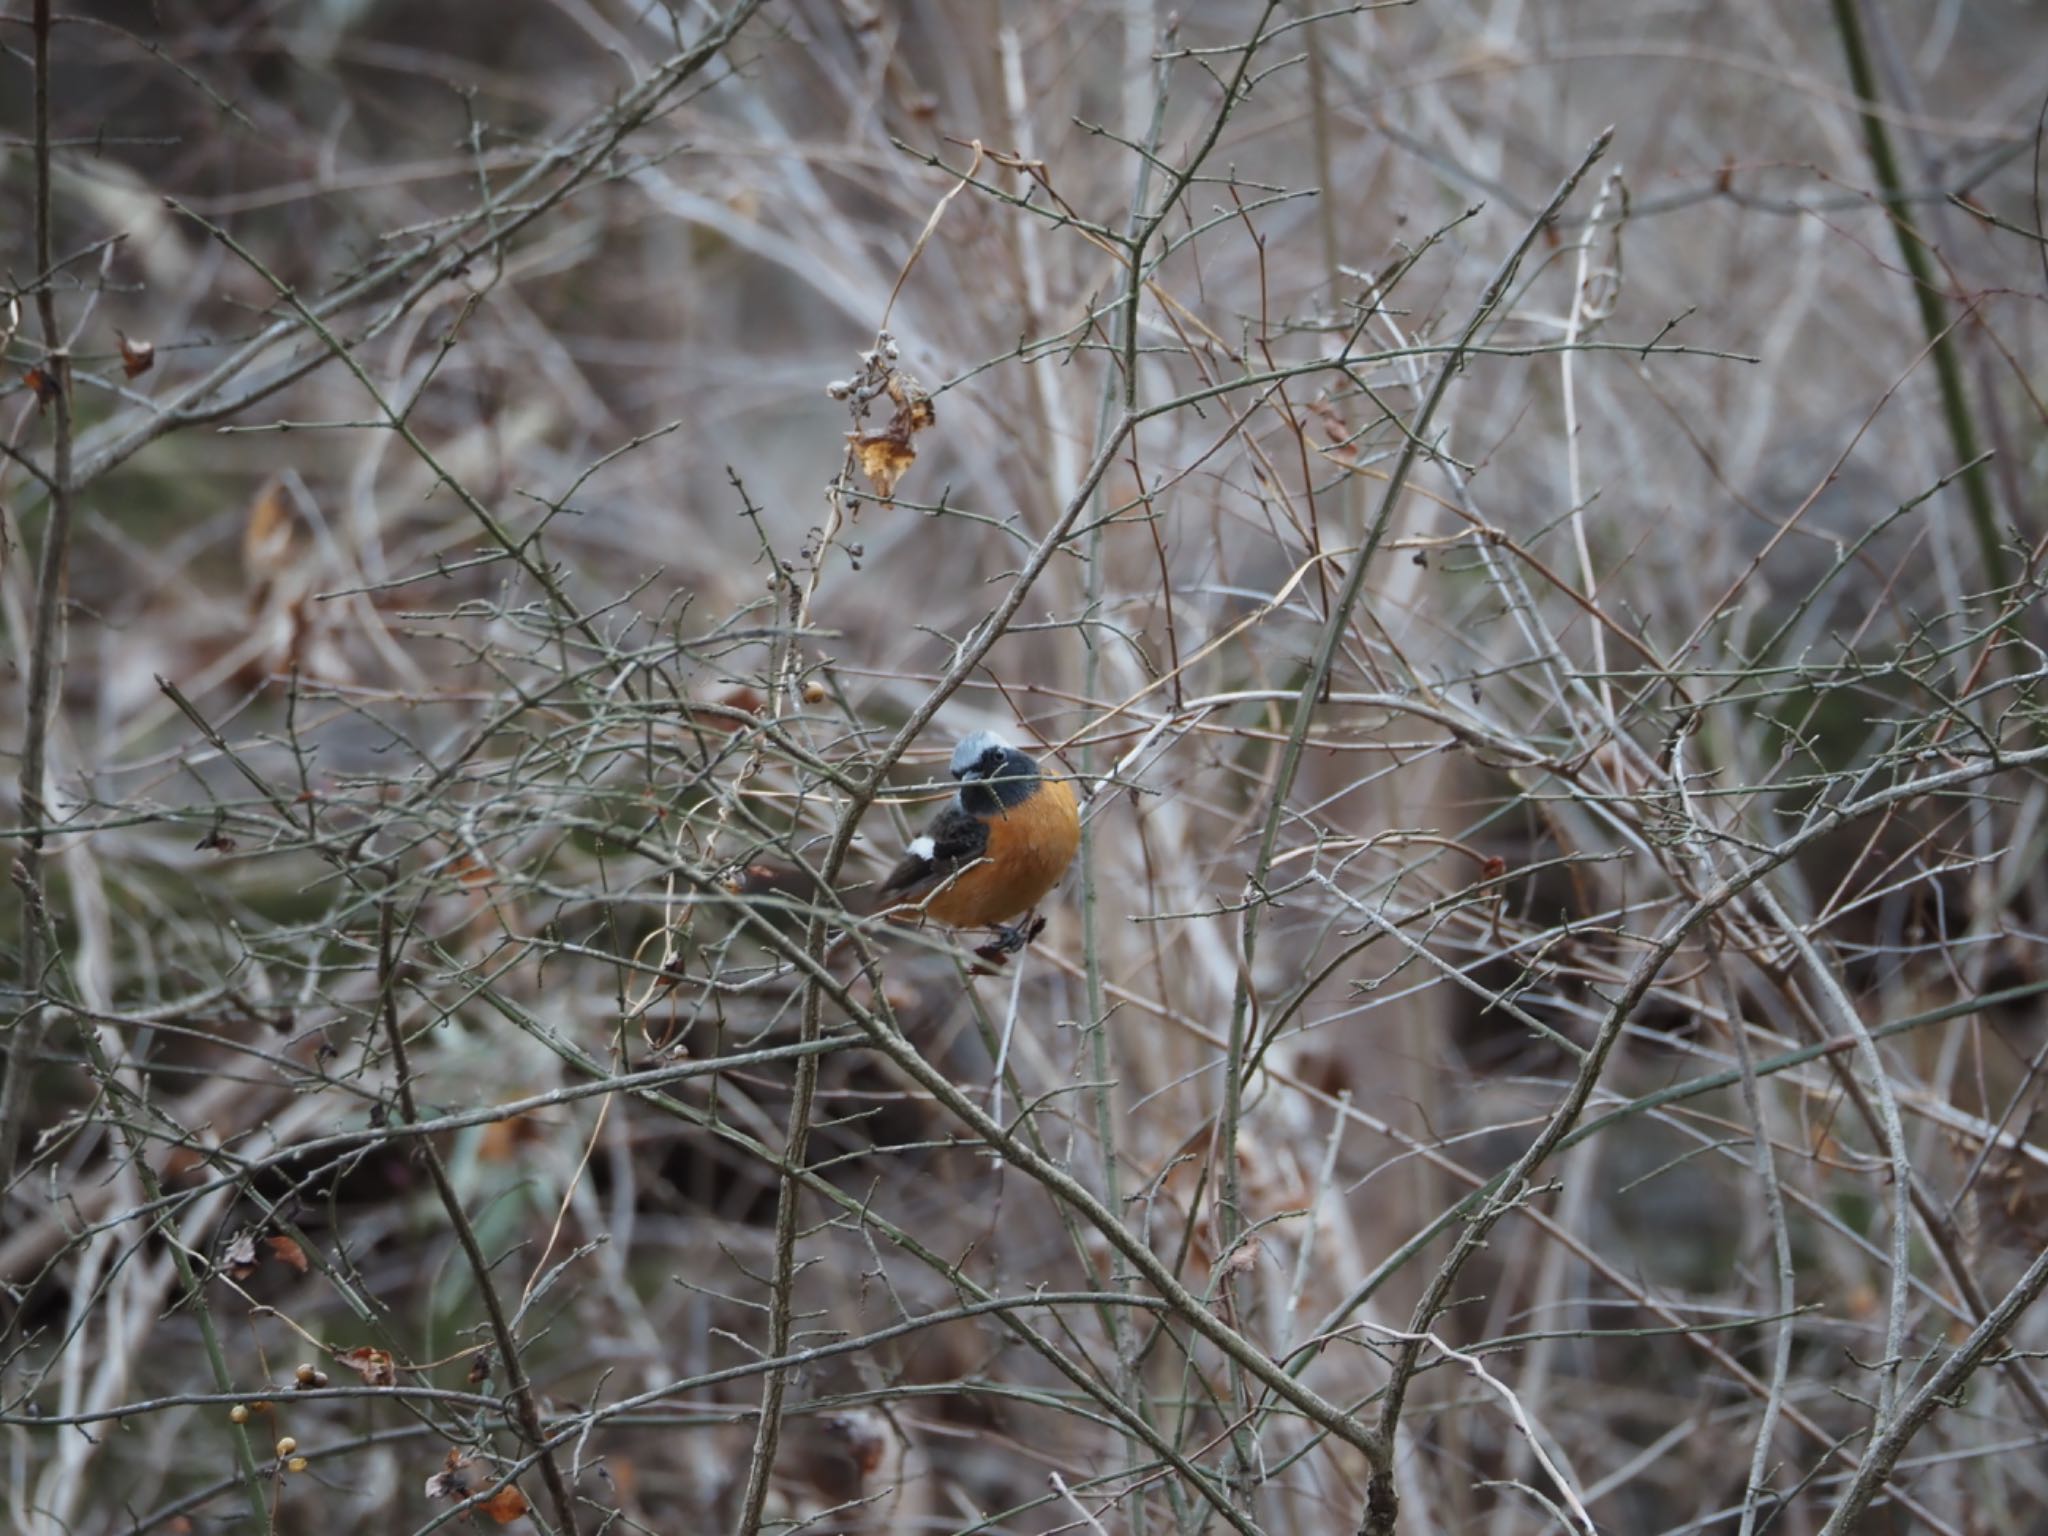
x=286, y=1251
x=1243, y=1257
x=373, y=1365
x=884, y=455
x=745, y=700
x=503, y=1138
x=883, y=458
x=182, y=1163
x=44, y=386
x=240, y=1259
x=914, y=408
x=268, y=534
x=506, y=1505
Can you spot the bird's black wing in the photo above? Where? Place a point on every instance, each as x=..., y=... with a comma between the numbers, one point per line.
x=953, y=841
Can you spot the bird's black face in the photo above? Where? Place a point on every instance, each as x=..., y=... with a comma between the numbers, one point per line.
x=990, y=765
x=996, y=779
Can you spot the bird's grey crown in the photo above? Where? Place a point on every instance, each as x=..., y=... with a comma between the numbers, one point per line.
x=994, y=776
x=972, y=749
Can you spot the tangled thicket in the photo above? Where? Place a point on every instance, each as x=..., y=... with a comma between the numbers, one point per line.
x=1522, y=521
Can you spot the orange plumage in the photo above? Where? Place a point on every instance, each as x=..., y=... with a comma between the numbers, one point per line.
x=1029, y=848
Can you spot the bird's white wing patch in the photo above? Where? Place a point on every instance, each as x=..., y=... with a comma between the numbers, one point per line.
x=923, y=848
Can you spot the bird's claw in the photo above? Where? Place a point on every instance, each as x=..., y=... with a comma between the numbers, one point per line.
x=1011, y=940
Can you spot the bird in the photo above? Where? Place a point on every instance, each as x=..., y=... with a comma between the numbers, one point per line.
x=985, y=860
x=989, y=857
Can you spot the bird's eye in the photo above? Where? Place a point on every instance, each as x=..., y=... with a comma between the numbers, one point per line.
x=991, y=763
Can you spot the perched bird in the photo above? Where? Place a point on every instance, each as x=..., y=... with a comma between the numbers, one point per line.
x=984, y=861
x=990, y=856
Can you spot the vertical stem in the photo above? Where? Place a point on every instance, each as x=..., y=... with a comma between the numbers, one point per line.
x=1948, y=368
x=1138, y=23
x=1228, y=1202
x=782, y=1301
x=519, y=1390
x=1781, y=1249
x=1326, y=178
x=46, y=643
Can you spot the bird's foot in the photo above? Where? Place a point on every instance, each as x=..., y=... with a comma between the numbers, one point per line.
x=1011, y=940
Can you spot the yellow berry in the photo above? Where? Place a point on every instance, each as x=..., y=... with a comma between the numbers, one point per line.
x=286, y=1446
x=238, y=1414
x=296, y=1464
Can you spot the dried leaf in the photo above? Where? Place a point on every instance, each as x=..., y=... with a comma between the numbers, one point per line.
x=883, y=458
x=914, y=408
x=286, y=1251
x=503, y=1138
x=373, y=1365
x=1243, y=1257
x=44, y=386
x=267, y=534
x=182, y=1163
x=506, y=1505
x=452, y=1481
x=136, y=356
x=745, y=700
x=885, y=454
x=240, y=1259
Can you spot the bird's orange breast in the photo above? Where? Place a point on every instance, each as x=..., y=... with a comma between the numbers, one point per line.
x=1029, y=848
